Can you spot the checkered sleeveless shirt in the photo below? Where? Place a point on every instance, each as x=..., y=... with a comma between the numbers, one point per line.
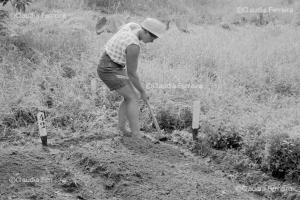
x=116, y=46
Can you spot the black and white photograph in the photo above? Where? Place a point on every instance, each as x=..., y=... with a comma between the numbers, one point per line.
x=149, y=99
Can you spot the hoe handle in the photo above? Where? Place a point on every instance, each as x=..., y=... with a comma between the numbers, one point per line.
x=154, y=118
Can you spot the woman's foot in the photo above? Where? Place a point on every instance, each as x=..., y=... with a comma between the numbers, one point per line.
x=125, y=132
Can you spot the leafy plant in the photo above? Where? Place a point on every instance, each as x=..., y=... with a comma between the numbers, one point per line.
x=20, y=5
x=174, y=118
x=20, y=117
x=4, y=2
x=253, y=148
x=225, y=137
x=284, y=161
x=254, y=143
x=3, y=22
x=167, y=120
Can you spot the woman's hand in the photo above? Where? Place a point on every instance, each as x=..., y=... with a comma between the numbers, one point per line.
x=144, y=96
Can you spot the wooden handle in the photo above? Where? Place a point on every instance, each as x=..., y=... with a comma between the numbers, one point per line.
x=154, y=118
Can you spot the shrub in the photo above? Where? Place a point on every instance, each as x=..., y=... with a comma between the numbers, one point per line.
x=181, y=137
x=3, y=22
x=62, y=121
x=226, y=137
x=167, y=120
x=20, y=5
x=185, y=116
x=284, y=157
x=285, y=89
x=254, y=143
x=253, y=148
x=174, y=118
x=25, y=49
x=20, y=117
x=279, y=155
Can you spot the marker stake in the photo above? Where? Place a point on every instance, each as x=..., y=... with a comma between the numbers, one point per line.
x=196, y=118
x=42, y=128
x=94, y=87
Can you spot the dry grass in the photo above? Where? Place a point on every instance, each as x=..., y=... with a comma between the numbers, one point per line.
x=248, y=77
x=257, y=70
x=249, y=71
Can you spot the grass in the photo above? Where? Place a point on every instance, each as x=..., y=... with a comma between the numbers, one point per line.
x=248, y=77
x=256, y=72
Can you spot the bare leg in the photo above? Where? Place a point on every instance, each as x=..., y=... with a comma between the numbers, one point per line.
x=123, y=118
x=131, y=105
x=133, y=116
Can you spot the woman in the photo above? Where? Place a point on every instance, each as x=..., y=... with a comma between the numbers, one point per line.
x=118, y=68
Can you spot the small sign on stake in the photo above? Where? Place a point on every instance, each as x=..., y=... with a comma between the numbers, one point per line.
x=94, y=87
x=42, y=128
x=4, y=132
x=196, y=118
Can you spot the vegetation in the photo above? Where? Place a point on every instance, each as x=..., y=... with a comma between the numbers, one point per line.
x=20, y=5
x=248, y=72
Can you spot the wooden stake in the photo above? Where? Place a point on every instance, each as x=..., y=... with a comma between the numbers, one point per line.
x=94, y=87
x=4, y=132
x=196, y=118
x=42, y=128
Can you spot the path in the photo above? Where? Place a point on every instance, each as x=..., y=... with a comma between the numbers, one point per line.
x=102, y=167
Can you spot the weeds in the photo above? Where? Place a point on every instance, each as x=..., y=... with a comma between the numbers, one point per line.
x=284, y=157
x=249, y=75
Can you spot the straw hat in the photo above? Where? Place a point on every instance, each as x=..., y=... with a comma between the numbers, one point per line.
x=154, y=26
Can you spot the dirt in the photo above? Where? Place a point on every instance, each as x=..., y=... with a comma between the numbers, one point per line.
x=32, y=172
x=104, y=166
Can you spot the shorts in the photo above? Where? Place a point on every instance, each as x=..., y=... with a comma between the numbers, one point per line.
x=112, y=74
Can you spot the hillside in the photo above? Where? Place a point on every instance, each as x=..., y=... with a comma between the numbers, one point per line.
x=241, y=63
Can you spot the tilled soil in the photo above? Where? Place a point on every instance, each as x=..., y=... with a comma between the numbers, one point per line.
x=101, y=167
x=32, y=172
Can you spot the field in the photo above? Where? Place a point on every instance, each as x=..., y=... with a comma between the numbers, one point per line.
x=243, y=67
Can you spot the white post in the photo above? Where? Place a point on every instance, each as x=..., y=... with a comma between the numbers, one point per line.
x=4, y=132
x=196, y=118
x=94, y=87
x=42, y=128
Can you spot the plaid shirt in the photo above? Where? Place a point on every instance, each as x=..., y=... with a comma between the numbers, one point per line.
x=117, y=45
